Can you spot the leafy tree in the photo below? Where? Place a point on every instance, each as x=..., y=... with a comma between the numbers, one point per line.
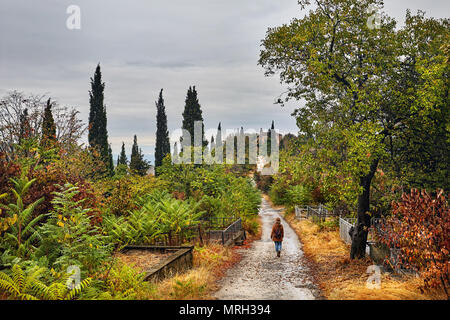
x=162, y=134
x=69, y=128
x=138, y=164
x=359, y=86
x=420, y=153
x=98, y=133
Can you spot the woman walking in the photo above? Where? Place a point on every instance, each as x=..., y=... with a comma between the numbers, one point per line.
x=277, y=235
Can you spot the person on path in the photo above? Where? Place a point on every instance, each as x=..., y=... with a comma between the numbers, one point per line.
x=277, y=235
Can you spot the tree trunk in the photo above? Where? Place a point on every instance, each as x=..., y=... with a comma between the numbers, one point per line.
x=359, y=235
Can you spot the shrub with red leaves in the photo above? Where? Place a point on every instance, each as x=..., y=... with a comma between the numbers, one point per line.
x=47, y=179
x=419, y=227
x=7, y=171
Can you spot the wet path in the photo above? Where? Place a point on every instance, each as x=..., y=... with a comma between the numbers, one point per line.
x=261, y=275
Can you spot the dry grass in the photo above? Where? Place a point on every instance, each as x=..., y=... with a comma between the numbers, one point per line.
x=343, y=279
x=141, y=260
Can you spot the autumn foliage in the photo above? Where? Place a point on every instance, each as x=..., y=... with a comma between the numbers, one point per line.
x=47, y=178
x=419, y=227
x=7, y=170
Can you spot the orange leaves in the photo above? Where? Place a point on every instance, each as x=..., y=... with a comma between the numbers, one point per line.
x=420, y=226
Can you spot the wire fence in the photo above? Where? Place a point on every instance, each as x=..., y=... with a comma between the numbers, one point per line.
x=345, y=224
x=376, y=229
x=317, y=213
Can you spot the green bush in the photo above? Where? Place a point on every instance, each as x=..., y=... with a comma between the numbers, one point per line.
x=159, y=213
x=69, y=237
x=278, y=193
x=122, y=194
x=125, y=283
x=220, y=193
x=299, y=195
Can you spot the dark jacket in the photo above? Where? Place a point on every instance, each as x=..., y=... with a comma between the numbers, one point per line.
x=274, y=228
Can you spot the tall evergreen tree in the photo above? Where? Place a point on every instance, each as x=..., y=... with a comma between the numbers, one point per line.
x=218, y=154
x=48, y=126
x=192, y=112
x=25, y=129
x=122, y=159
x=269, y=138
x=138, y=164
x=212, y=144
x=175, y=150
x=110, y=160
x=162, y=134
x=98, y=133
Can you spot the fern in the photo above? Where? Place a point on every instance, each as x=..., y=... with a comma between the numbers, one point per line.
x=21, y=233
x=23, y=285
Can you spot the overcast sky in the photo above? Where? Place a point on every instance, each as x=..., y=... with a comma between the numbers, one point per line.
x=144, y=46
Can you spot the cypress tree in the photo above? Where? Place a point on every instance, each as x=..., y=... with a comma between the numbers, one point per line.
x=192, y=112
x=98, y=133
x=218, y=154
x=269, y=138
x=219, y=135
x=240, y=147
x=25, y=129
x=176, y=155
x=48, y=126
x=162, y=134
x=110, y=160
x=212, y=144
x=122, y=159
x=137, y=163
x=134, y=159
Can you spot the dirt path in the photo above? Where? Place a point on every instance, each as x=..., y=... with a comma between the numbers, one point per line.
x=260, y=275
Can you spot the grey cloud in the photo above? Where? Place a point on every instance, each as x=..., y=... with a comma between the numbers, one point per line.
x=144, y=46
